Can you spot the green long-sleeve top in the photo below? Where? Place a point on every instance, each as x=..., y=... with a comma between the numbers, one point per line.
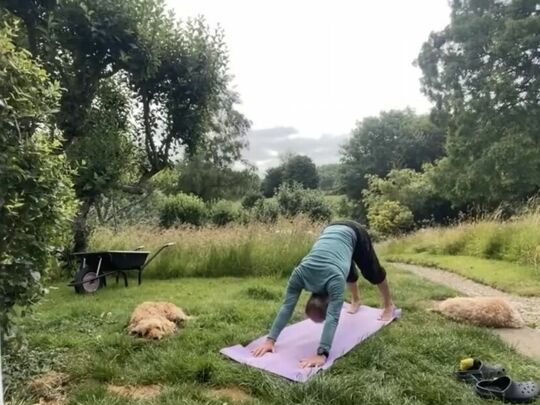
x=323, y=270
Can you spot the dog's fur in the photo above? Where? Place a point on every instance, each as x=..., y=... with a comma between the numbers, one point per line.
x=495, y=312
x=155, y=320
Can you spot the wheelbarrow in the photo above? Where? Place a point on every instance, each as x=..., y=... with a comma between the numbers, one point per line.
x=94, y=267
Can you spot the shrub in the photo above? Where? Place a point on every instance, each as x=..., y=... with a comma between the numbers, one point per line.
x=182, y=209
x=245, y=217
x=166, y=182
x=294, y=200
x=223, y=212
x=36, y=197
x=266, y=211
x=290, y=199
x=316, y=207
x=411, y=189
x=251, y=199
x=390, y=218
x=345, y=208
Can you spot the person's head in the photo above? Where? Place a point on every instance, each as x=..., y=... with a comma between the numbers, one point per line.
x=316, y=307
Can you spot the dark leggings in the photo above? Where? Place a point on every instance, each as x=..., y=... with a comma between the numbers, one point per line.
x=364, y=256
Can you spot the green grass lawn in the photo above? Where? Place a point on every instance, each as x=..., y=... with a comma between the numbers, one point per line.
x=408, y=362
x=510, y=277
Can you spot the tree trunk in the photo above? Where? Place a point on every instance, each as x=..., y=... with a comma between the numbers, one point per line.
x=80, y=228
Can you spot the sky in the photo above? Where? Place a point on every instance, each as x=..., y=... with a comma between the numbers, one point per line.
x=308, y=70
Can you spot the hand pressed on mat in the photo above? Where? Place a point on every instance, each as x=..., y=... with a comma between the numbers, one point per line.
x=267, y=346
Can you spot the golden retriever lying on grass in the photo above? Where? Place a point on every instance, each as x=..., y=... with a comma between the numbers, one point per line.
x=495, y=312
x=156, y=319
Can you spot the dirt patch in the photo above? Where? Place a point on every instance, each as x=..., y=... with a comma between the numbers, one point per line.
x=50, y=388
x=135, y=391
x=234, y=394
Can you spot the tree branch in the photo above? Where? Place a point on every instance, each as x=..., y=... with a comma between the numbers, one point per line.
x=148, y=140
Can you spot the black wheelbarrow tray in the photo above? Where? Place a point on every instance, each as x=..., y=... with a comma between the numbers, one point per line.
x=94, y=267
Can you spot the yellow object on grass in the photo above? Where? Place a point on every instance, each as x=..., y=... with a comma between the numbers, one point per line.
x=466, y=364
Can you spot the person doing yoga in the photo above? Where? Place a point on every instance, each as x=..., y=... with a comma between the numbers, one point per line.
x=328, y=267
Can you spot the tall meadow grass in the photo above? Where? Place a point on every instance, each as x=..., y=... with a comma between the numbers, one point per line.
x=237, y=250
x=514, y=240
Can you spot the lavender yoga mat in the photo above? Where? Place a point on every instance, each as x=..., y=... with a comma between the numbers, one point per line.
x=301, y=340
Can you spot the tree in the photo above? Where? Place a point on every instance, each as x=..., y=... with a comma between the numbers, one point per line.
x=80, y=42
x=36, y=198
x=329, y=176
x=272, y=181
x=207, y=181
x=185, y=99
x=395, y=139
x=293, y=169
x=177, y=73
x=483, y=74
x=211, y=182
x=301, y=169
x=106, y=157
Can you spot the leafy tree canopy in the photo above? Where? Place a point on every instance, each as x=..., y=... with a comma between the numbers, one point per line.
x=482, y=72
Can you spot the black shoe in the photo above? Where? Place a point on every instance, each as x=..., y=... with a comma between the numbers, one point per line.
x=506, y=389
x=481, y=371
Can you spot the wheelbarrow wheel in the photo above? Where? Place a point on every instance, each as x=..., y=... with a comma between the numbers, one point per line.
x=85, y=282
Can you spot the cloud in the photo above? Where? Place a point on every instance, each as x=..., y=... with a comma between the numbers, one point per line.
x=268, y=144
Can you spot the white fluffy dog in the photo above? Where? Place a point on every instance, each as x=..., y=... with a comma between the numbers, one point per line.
x=495, y=312
x=156, y=319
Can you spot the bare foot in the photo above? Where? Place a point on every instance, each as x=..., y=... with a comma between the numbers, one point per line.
x=353, y=307
x=387, y=313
